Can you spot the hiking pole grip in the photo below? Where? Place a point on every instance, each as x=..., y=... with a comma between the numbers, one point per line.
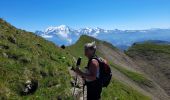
x=78, y=62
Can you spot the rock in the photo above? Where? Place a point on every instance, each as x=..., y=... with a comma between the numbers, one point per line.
x=12, y=39
x=4, y=47
x=25, y=60
x=39, y=45
x=43, y=74
x=13, y=57
x=1, y=36
x=30, y=86
x=77, y=89
x=59, y=98
x=72, y=83
x=63, y=46
x=5, y=55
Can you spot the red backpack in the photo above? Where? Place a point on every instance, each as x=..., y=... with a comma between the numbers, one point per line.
x=105, y=74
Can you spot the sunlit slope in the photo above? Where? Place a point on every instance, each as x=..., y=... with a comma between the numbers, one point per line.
x=25, y=56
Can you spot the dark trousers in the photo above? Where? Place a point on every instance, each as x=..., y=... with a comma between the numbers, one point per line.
x=94, y=90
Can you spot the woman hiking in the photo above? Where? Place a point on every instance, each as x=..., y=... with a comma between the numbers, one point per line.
x=91, y=76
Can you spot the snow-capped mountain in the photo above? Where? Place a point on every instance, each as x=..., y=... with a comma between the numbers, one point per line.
x=61, y=34
x=65, y=30
x=66, y=35
x=121, y=38
x=59, y=29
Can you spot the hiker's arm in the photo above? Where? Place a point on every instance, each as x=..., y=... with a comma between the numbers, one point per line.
x=92, y=70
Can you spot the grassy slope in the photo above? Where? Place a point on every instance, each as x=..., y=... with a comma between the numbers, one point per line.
x=31, y=57
x=148, y=49
x=137, y=77
x=120, y=91
x=116, y=89
x=157, y=57
x=77, y=49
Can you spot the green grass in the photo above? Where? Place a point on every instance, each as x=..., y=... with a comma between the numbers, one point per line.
x=120, y=91
x=27, y=58
x=148, y=49
x=137, y=77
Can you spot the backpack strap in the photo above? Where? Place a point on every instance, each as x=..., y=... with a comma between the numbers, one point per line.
x=100, y=64
x=94, y=57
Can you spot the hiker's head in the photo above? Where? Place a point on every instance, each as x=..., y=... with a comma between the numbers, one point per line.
x=89, y=49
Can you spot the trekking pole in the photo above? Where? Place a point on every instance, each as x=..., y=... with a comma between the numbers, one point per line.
x=83, y=90
x=77, y=65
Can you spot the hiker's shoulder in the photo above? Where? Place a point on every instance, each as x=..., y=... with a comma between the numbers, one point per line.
x=94, y=61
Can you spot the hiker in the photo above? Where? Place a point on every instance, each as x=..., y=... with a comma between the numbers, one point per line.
x=91, y=76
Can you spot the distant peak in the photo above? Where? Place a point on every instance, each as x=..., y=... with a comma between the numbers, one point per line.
x=57, y=28
x=63, y=26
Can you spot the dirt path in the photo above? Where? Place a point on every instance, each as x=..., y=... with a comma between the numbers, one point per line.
x=77, y=90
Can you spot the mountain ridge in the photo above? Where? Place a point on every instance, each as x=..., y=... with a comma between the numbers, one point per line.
x=122, y=39
x=125, y=68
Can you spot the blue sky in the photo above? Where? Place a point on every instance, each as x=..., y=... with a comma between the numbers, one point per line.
x=34, y=15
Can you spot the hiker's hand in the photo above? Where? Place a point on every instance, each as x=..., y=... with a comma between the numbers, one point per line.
x=83, y=78
x=77, y=70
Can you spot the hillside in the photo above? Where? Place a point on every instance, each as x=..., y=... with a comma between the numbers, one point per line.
x=126, y=71
x=25, y=56
x=141, y=73
x=119, y=88
x=153, y=60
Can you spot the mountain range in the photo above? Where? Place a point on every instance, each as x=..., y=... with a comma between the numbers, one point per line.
x=123, y=39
